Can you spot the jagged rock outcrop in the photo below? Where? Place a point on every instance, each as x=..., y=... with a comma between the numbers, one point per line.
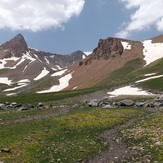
x=107, y=48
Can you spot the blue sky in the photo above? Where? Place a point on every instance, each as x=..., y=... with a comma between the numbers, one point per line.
x=65, y=26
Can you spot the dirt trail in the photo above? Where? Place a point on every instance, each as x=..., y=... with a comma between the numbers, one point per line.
x=117, y=151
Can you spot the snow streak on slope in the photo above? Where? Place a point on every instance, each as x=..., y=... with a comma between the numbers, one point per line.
x=21, y=83
x=59, y=73
x=63, y=83
x=152, y=51
x=37, y=58
x=150, y=74
x=15, y=88
x=42, y=74
x=47, y=60
x=152, y=77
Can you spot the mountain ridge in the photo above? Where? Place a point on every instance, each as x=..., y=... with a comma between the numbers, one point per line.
x=75, y=70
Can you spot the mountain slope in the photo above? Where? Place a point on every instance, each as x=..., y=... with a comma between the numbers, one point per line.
x=21, y=65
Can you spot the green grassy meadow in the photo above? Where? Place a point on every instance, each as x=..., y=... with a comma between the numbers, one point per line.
x=146, y=137
x=66, y=138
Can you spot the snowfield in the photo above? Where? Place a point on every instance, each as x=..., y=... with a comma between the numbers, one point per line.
x=63, y=83
x=152, y=51
x=128, y=90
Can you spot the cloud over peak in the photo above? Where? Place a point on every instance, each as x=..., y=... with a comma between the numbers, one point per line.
x=35, y=15
x=146, y=13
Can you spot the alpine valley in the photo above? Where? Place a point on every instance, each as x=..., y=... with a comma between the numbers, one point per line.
x=105, y=107
x=113, y=63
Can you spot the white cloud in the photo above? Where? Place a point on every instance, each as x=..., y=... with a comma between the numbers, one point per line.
x=146, y=13
x=35, y=15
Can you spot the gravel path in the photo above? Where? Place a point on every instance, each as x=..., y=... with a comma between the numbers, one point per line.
x=117, y=151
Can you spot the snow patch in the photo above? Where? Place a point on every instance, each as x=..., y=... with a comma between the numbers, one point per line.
x=5, y=80
x=152, y=51
x=128, y=90
x=63, y=83
x=126, y=45
x=42, y=74
x=24, y=81
x=87, y=54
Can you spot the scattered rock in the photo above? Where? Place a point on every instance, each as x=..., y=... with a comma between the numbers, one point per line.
x=6, y=150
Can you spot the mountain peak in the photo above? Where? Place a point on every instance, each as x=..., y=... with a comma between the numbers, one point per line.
x=17, y=45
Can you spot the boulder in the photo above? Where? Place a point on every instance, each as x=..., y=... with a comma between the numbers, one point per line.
x=107, y=106
x=93, y=103
x=126, y=103
x=140, y=104
x=2, y=106
x=159, y=98
x=104, y=102
x=23, y=108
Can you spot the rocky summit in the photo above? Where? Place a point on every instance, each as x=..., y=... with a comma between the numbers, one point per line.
x=16, y=46
x=106, y=48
